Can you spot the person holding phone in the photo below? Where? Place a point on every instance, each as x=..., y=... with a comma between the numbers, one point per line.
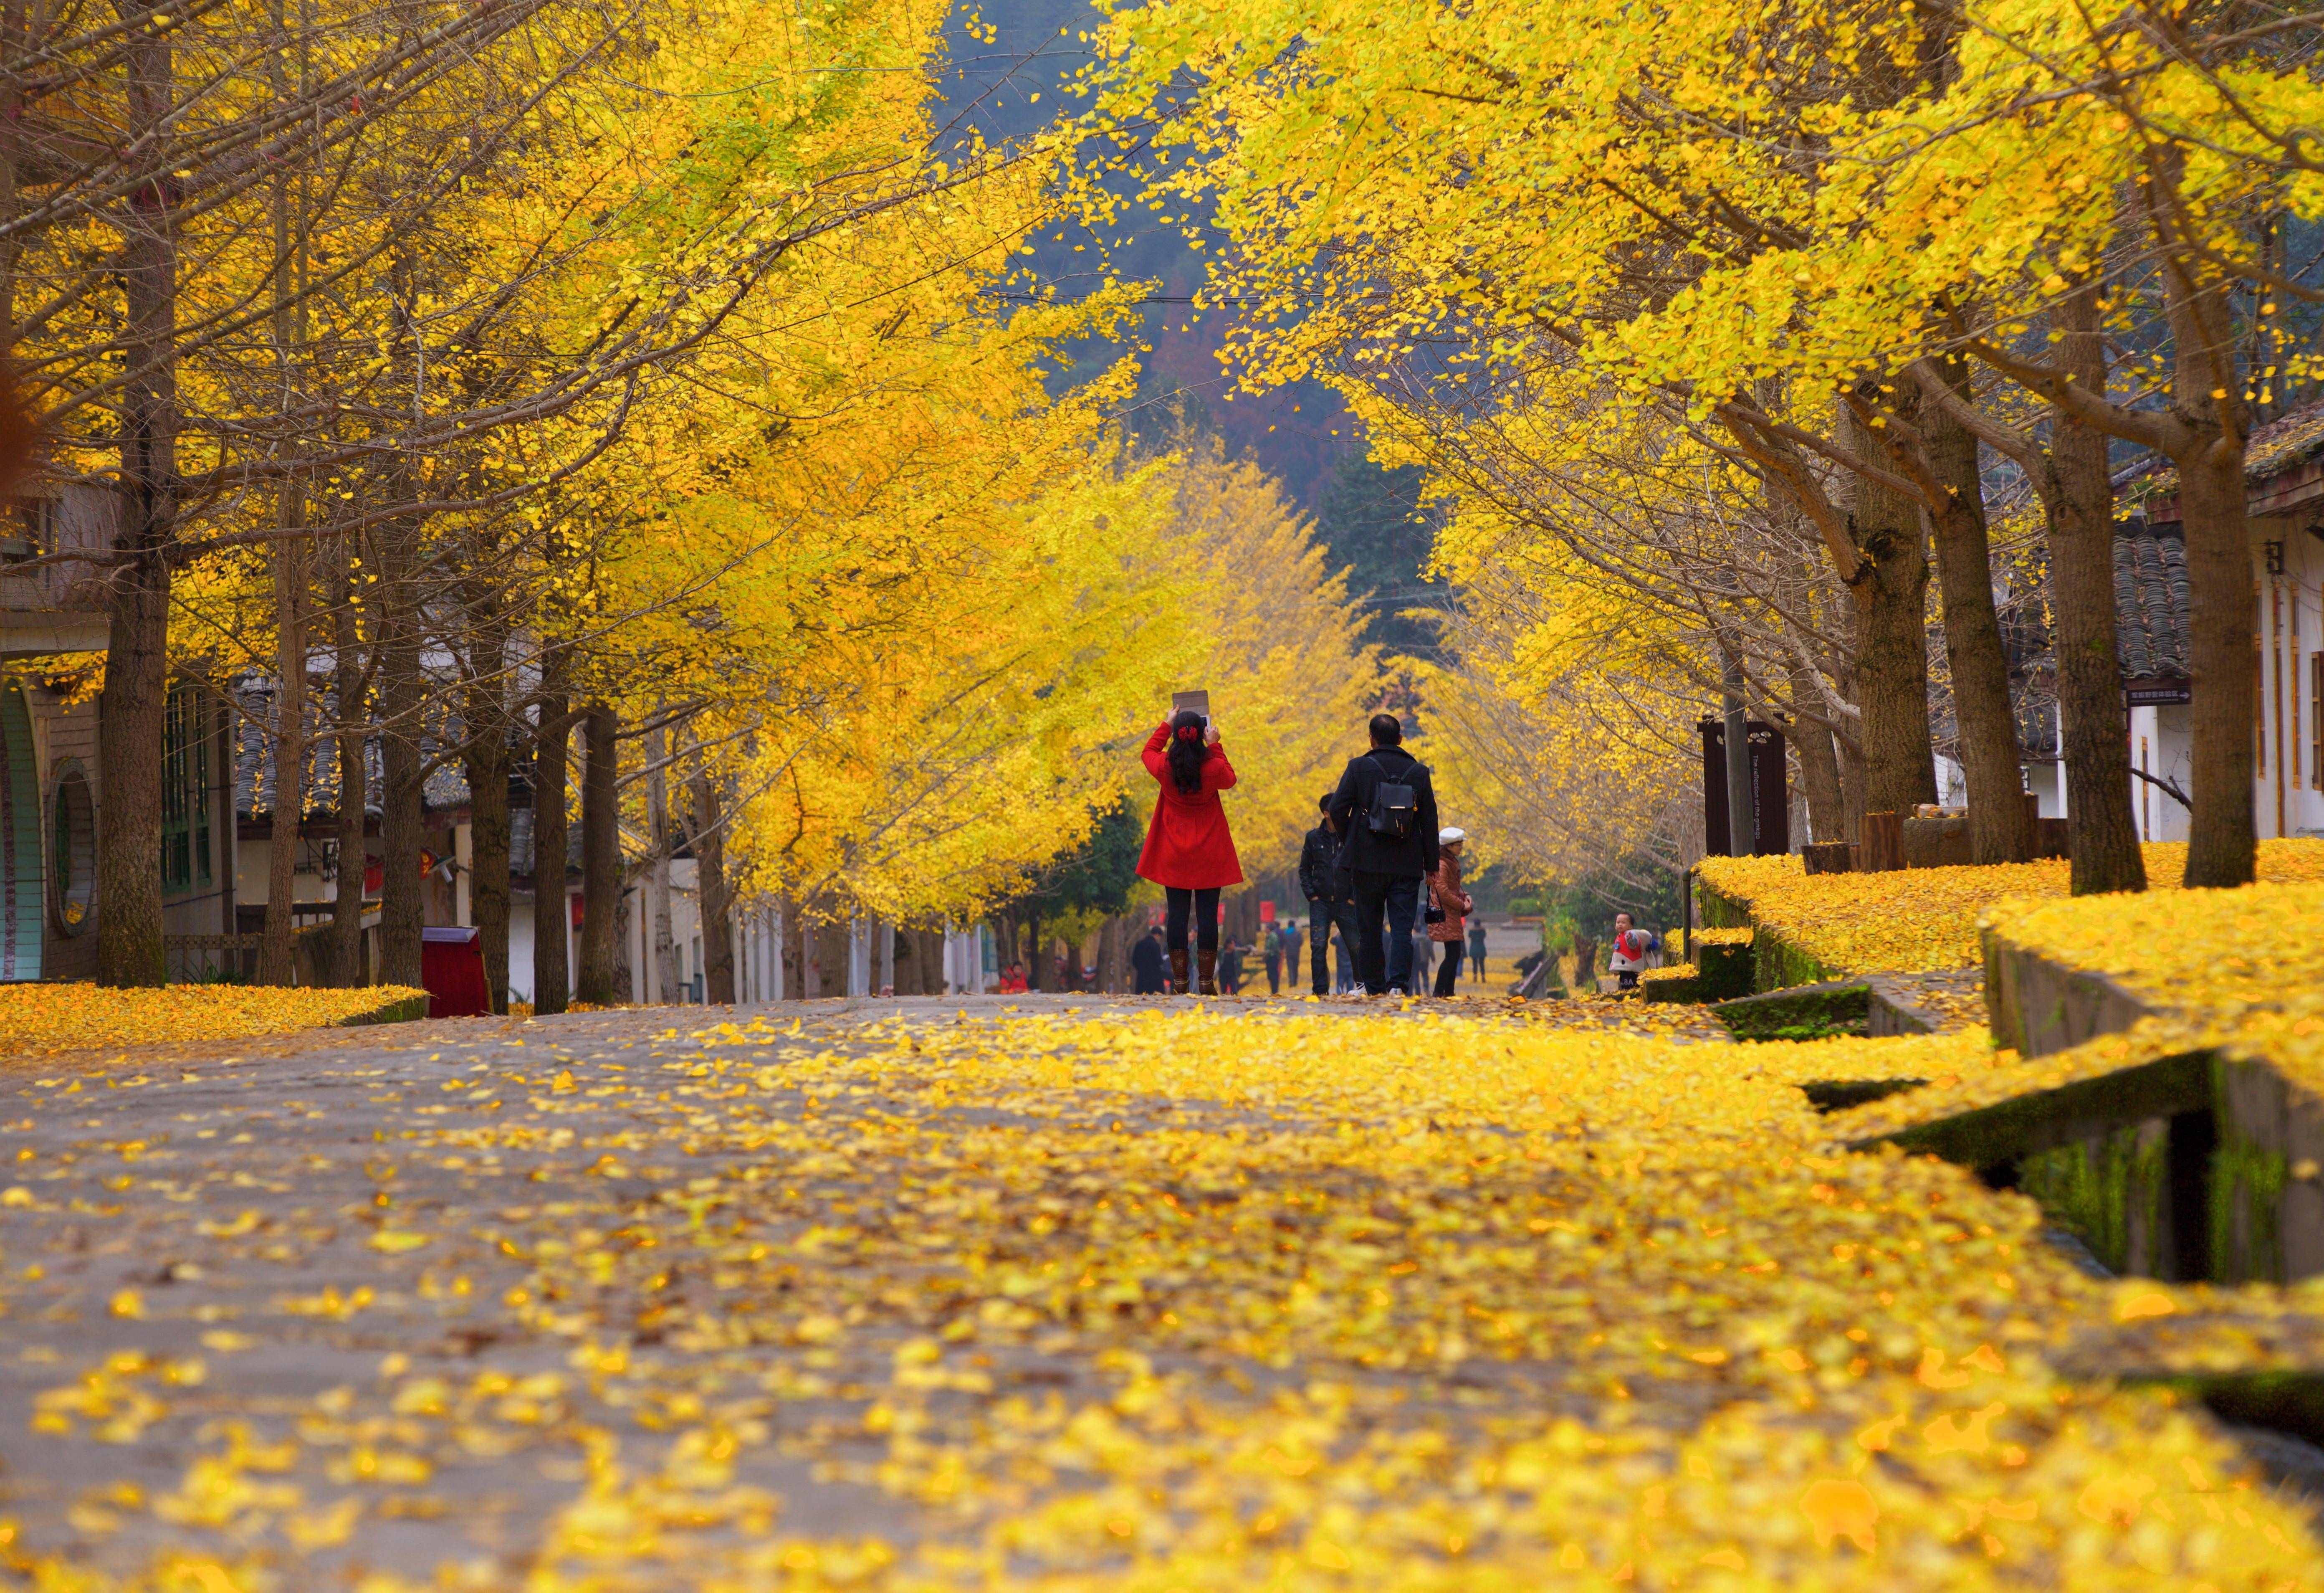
x=1188, y=851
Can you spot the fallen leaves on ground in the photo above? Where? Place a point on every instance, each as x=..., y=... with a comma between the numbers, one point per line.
x=38, y=1018
x=2193, y=949
x=1918, y=920
x=1193, y=1300
x=2289, y=1039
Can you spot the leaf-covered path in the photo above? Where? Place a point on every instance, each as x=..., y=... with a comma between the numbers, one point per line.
x=1114, y=1296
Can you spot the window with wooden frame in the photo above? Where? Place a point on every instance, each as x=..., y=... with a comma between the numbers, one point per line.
x=2316, y=721
x=185, y=793
x=2259, y=683
x=28, y=530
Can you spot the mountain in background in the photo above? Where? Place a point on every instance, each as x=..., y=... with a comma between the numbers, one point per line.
x=1301, y=435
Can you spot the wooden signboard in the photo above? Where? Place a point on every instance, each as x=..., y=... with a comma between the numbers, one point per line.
x=1771, y=812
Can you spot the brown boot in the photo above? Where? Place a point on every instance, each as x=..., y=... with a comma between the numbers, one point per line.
x=1210, y=961
x=1178, y=971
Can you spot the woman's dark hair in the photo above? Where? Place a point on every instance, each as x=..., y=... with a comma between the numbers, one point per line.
x=1188, y=749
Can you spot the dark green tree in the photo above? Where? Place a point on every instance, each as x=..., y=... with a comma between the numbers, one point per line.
x=1096, y=876
x=1373, y=522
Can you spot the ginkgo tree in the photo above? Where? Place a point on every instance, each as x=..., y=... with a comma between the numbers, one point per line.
x=1742, y=214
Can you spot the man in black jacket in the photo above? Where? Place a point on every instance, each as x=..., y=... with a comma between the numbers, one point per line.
x=1330, y=896
x=1388, y=854
x=1146, y=966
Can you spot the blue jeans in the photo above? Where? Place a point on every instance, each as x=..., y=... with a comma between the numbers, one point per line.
x=1384, y=967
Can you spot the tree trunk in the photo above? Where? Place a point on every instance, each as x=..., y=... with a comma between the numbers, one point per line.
x=486, y=712
x=2001, y=828
x=710, y=882
x=1819, y=762
x=1851, y=781
x=911, y=963
x=129, y=945
x=1735, y=747
x=2223, y=839
x=665, y=943
x=2102, y=837
x=129, y=948
x=402, y=816
x=550, y=977
x=830, y=966
x=1891, y=657
x=277, y=952
x=927, y=952
x=627, y=985
x=601, y=862
x=354, y=777
x=791, y=948
x=1036, y=974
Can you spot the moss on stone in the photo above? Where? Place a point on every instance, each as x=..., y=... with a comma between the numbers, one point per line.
x=1715, y=909
x=2094, y=1187
x=1725, y=970
x=2247, y=1184
x=1777, y=964
x=1804, y=1014
x=1683, y=985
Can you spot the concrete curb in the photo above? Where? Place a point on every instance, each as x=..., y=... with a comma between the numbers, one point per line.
x=2036, y=1005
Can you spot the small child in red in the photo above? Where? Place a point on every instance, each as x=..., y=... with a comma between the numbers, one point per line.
x=1630, y=951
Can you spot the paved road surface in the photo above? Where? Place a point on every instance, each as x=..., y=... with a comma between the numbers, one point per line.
x=674, y=1299
x=446, y=1295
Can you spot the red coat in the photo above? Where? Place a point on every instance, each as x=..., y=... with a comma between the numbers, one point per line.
x=1187, y=841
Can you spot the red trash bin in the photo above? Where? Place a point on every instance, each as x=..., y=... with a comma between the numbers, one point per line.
x=452, y=971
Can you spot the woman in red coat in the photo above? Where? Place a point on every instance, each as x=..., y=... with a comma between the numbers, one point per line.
x=1188, y=851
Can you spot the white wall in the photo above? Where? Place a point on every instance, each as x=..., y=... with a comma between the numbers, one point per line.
x=2160, y=743
x=2292, y=640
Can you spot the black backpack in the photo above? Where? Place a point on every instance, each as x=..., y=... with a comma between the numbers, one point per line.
x=1395, y=806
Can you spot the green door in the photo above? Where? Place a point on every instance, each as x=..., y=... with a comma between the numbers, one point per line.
x=21, y=890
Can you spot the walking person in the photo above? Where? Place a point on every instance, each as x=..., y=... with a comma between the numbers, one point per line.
x=1385, y=811
x=1230, y=967
x=1453, y=903
x=1270, y=942
x=1188, y=851
x=1476, y=949
x=1146, y=965
x=1330, y=892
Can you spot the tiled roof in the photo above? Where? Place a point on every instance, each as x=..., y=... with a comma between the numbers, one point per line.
x=2279, y=446
x=446, y=787
x=253, y=753
x=2150, y=600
